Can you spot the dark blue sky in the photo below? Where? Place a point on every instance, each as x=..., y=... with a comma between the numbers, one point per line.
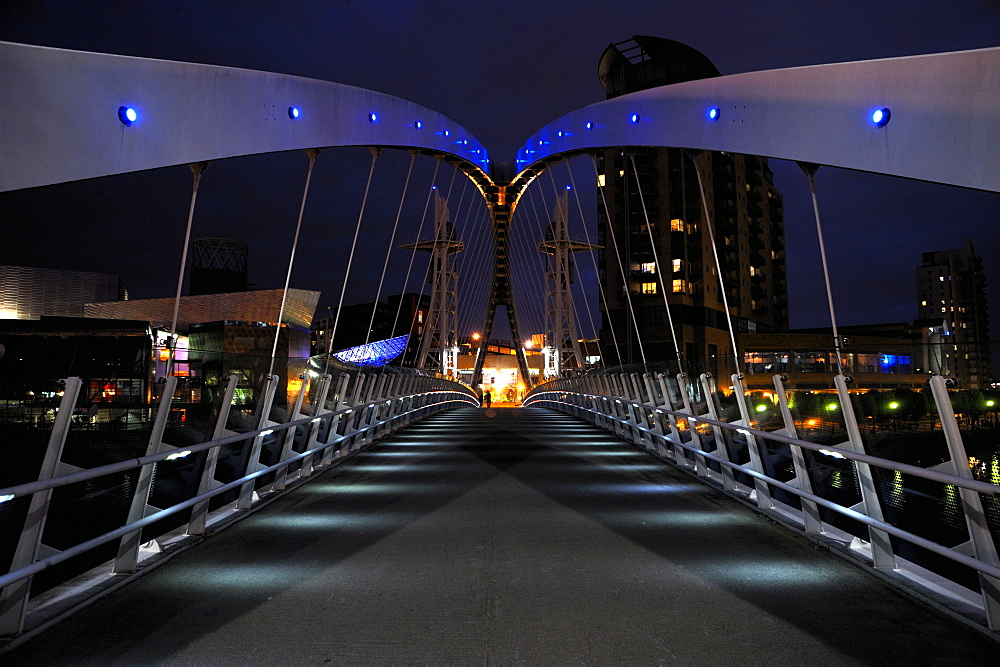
x=502, y=69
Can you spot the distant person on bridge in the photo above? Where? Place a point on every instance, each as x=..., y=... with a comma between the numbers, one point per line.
x=487, y=398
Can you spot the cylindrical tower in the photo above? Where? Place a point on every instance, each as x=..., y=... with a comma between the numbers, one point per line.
x=220, y=265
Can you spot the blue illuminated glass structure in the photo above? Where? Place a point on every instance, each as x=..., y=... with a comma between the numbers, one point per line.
x=378, y=353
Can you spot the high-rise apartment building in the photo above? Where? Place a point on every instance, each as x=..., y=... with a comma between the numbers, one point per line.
x=951, y=288
x=654, y=234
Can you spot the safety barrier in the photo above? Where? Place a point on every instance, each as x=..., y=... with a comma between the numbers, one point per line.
x=698, y=428
x=363, y=409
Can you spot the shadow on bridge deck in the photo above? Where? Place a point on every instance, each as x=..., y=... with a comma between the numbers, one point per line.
x=503, y=536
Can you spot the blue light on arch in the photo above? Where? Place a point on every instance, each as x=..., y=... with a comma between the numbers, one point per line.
x=373, y=117
x=127, y=115
x=714, y=113
x=634, y=118
x=293, y=112
x=881, y=116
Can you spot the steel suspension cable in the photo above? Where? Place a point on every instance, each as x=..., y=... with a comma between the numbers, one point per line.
x=583, y=292
x=460, y=265
x=350, y=259
x=621, y=269
x=313, y=153
x=810, y=171
x=478, y=260
x=597, y=272
x=542, y=308
x=423, y=285
x=718, y=265
x=197, y=169
x=528, y=263
x=392, y=239
x=656, y=264
x=545, y=209
x=413, y=253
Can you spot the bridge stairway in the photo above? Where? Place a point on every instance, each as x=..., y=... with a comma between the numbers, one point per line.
x=504, y=536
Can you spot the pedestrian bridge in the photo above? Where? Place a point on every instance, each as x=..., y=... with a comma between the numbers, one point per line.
x=624, y=515
x=501, y=536
x=616, y=517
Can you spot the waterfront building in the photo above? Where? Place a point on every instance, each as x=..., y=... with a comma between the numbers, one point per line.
x=951, y=289
x=655, y=229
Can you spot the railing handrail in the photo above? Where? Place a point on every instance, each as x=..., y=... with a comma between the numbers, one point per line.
x=83, y=547
x=886, y=464
x=27, y=488
x=645, y=416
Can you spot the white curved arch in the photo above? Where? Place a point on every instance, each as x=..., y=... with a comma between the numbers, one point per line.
x=59, y=116
x=944, y=125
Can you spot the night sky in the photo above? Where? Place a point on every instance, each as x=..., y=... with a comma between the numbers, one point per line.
x=501, y=69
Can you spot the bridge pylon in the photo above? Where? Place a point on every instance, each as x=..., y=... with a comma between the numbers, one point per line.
x=439, y=342
x=562, y=341
x=501, y=291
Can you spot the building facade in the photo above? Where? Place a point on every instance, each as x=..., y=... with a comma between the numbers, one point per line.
x=27, y=293
x=654, y=235
x=951, y=289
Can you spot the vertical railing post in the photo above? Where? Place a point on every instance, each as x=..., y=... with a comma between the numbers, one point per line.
x=811, y=521
x=199, y=513
x=128, y=548
x=728, y=478
x=332, y=434
x=983, y=546
x=318, y=407
x=656, y=422
x=882, y=555
x=756, y=460
x=700, y=462
x=14, y=598
x=288, y=439
x=245, y=500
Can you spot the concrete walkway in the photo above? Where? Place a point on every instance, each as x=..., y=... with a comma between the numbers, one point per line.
x=498, y=537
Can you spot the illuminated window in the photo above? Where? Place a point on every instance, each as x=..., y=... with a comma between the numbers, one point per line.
x=679, y=286
x=621, y=172
x=677, y=265
x=923, y=303
x=677, y=225
x=648, y=288
x=753, y=271
x=648, y=267
x=600, y=180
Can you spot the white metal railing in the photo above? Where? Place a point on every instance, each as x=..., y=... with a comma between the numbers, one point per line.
x=363, y=409
x=657, y=414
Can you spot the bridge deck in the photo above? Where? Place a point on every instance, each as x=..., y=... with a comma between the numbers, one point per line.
x=495, y=537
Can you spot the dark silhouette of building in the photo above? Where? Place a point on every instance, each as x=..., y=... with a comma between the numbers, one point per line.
x=653, y=192
x=951, y=287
